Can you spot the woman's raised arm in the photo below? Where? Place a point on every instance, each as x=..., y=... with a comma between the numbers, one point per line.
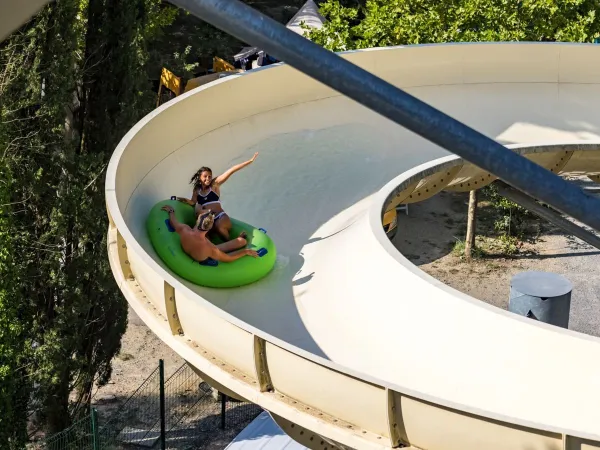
x=225, y=176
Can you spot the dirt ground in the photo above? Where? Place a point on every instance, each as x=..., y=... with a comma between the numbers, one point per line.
x=427, y=235
x=140, y=353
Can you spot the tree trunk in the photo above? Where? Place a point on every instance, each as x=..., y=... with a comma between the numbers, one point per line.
x=471, y=224
x=57, y=404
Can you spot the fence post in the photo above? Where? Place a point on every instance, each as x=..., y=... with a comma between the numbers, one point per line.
x=161, y=372
x=95, y=437
x=223, y=407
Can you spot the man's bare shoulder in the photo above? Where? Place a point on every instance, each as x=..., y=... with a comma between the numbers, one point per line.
x=187, y=233
x=185, y=228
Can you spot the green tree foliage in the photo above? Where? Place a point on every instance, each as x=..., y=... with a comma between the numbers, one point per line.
x=72, y=82
x=13, y=337
x=379, y=23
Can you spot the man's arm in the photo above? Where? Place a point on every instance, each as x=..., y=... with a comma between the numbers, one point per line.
x=221, y=256
x=177, y=226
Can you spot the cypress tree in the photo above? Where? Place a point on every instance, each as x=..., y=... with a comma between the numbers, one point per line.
x=73, y=82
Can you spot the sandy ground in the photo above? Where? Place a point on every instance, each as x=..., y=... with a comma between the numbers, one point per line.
x=427, y=235
x=140, y=353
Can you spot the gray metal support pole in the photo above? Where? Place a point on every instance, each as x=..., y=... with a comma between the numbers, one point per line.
x=163, y=433
x=255, y=28
x=541, y=296
x=545, y=213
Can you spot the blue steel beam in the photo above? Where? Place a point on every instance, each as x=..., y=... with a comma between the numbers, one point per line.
x=249, y=25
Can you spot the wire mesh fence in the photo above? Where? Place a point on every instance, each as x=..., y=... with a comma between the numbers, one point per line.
x=210, y=422
x=82, y=434
x=137, y=421
x=180, y=412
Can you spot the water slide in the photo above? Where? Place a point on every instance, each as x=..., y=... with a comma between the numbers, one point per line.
x=346, y=343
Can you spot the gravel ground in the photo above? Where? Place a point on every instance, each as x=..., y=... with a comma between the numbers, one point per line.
x=440, y=220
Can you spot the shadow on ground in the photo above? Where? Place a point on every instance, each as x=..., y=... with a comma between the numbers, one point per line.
x=431, y=228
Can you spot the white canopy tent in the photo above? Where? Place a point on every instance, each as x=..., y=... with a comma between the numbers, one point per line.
x=263, y=434
x=307, y=14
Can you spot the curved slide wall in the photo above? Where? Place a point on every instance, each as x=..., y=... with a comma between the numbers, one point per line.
x=345, y=342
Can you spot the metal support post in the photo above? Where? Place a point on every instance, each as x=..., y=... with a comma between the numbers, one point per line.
x=541, y=296
x=95, y=435
x=223, y=410
x=161, y=372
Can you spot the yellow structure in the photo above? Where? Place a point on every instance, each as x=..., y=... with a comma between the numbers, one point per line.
x=169, y=81
x=172, y=82
x=220, y=65
x=390, y=222
x=178, y=85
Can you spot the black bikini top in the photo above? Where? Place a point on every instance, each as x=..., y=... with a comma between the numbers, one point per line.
x=209, y=198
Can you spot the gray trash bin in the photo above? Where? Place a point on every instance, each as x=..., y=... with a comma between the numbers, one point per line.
x=541, y=296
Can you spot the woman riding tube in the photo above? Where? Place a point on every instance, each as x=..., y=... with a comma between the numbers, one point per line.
x=206, y=195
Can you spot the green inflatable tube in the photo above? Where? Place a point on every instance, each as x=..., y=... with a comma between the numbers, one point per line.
x=243, y=271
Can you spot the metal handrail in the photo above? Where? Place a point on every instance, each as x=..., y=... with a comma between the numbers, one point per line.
x=249, y=25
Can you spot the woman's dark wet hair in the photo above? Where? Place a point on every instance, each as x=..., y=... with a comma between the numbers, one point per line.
x=196, y=178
